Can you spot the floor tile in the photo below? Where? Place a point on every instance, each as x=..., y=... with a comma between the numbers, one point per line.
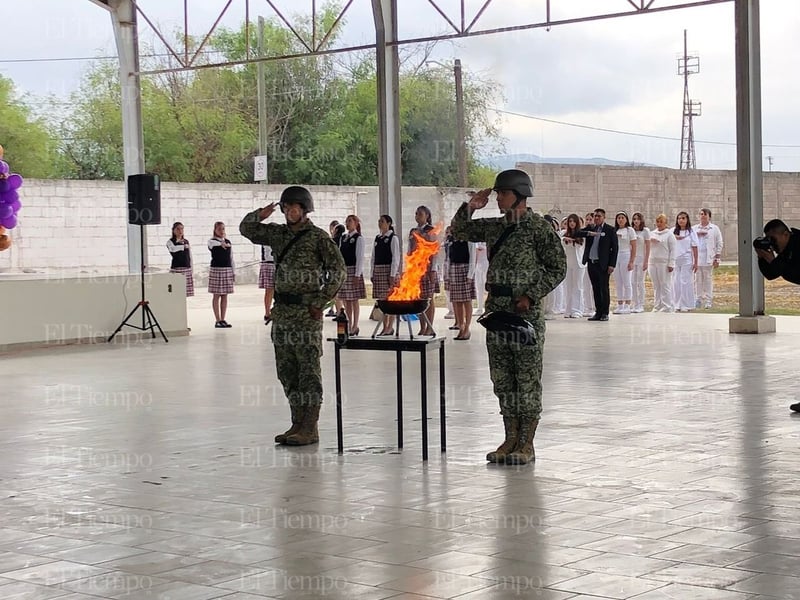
x=650, y=492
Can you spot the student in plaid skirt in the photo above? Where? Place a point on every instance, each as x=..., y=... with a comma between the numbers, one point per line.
x=266, y=281
x=385, y=266
x=336, y=230
x=430, y=281
x=351, y=245
x=461, y=266
x=220, y=275
x=178, y=247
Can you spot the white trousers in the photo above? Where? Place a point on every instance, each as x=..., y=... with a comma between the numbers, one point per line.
x=638, y=284
x=480, y=283
x=573, y=290
x=662, y=286
x=683, y=285
x=622, y=277
x=704, y=284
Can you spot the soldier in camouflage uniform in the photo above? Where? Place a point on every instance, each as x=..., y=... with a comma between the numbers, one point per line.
x=526, y=262
x=309, y=270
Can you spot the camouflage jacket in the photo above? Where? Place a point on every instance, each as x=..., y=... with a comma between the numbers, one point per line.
x=313, y=267
x=531, y=261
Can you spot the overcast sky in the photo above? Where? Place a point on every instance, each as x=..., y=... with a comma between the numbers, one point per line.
x=618, y=74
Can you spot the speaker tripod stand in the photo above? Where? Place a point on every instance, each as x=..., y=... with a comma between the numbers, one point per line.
x=149, y=321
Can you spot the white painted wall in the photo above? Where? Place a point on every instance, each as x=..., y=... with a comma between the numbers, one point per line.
x=65, y=310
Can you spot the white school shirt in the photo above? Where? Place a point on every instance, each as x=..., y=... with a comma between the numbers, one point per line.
x=625, y=237
x=709, y=246
x=394, y=245
x=662, y=247
x=641, y=237
x=685, y=241
x=359, y=251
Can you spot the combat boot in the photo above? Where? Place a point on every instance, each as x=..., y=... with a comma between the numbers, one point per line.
x=297, y=419
x=524, y=453
x=512, y=431
x=308, y=432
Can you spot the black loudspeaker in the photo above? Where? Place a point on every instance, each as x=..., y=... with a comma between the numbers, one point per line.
x=144, y=199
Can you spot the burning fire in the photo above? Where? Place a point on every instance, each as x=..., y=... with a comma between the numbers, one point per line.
x=417, y=262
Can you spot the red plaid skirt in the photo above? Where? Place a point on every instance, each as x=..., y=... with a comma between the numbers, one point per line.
x=381, y=281
x=220, y=280
x=266, y=276
x=353, y=288
x=187, y=271
x=461, y=288
x=429, y=285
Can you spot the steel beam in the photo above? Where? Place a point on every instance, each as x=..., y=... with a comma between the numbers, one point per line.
x=388, y=76
x=123, y=19
x=749, y=191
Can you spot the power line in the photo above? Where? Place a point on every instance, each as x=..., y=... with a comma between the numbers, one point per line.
x=631, y=133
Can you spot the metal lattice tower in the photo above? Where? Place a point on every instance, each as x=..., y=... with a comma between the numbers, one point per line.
x=688, y=65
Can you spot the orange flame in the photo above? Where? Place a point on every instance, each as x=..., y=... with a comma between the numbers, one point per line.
x=417, y=262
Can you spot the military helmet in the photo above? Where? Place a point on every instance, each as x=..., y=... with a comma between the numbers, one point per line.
x=516, y=180
x=295, y=194
x=510, y=326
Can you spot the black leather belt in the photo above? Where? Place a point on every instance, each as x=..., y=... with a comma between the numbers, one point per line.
x=290, y=299
x=500, y=291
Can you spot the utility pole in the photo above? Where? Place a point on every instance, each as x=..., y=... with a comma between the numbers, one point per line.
x=262, y=96
x=688, y=65
x=462, y=129
x=769, y=160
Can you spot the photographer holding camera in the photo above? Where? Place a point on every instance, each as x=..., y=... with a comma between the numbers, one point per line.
x=778, y=254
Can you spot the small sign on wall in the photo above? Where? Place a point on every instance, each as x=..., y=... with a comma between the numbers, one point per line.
x=260, y=168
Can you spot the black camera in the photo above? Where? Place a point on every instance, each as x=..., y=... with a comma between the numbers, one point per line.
x=762, y=243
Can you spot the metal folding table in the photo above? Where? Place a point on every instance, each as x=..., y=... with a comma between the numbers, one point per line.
x=420, y=345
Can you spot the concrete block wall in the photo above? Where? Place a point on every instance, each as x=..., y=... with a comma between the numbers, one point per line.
x=77, y=227
x=563, y=189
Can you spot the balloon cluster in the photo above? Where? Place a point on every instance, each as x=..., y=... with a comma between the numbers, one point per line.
x=9, y=201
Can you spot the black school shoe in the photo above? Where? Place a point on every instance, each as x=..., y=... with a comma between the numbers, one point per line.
x=795, y=407
x=219, y=325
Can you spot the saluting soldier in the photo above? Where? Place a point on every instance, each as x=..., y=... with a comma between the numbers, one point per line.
x=309, y=270
x=526, y=262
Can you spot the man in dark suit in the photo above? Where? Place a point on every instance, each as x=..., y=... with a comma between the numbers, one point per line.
x=600, y=256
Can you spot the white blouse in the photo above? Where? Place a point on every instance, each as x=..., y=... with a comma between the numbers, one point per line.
x=686, y=240
x=625, y=237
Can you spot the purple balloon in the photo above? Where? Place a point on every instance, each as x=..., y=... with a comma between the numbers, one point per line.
x=8, y=196
x=4, y=168
x=14, y=181
x=9, y=222
x=3, y=186
x=15, y=205
x=6, y=211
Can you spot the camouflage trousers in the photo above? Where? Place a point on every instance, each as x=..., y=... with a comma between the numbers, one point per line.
x=516, y=373
x=297, y=338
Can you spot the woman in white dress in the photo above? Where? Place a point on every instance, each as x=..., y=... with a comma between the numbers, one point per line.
x=626, y=237
x=573, y=282
x=641, y=262
x=662, y=264
x=685, y=263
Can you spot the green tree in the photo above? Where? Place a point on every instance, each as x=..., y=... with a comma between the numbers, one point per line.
x=30, y=148
x=321, y=115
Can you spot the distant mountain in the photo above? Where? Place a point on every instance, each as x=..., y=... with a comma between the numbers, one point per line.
x=509, y=161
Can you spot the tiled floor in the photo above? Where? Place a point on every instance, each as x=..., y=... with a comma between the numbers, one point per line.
x=667, y=468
